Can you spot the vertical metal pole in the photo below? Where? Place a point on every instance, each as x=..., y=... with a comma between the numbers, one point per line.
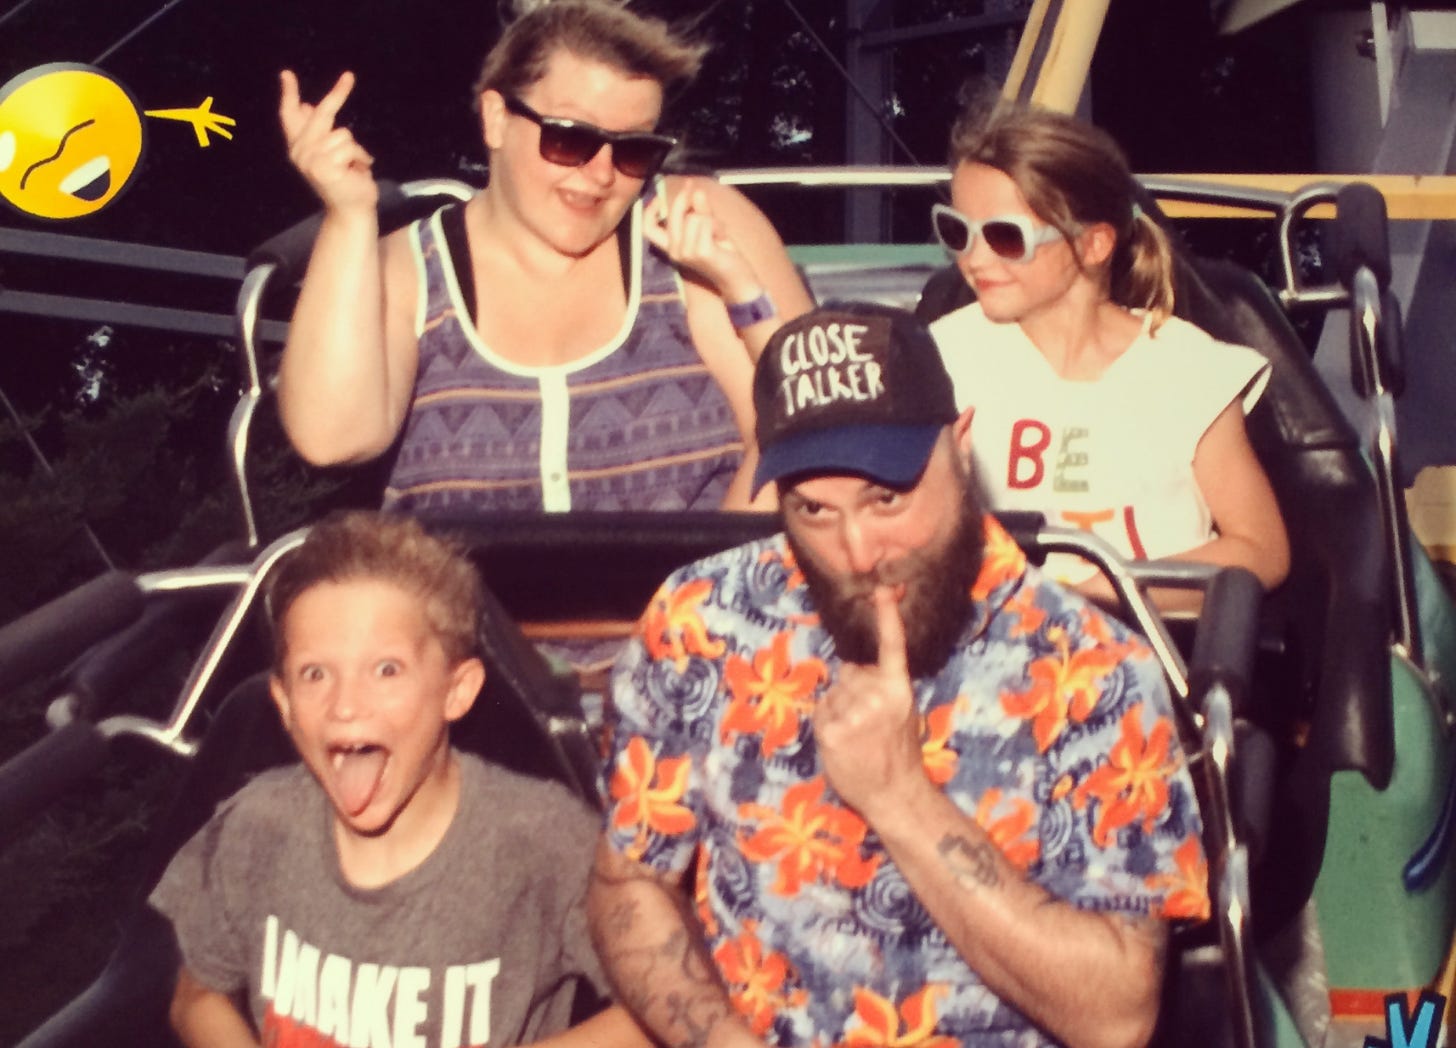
x=1055, y=54
x=864, y=137
x=1366, y=321
x=240, y=424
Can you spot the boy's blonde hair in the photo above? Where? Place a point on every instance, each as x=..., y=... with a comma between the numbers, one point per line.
x=600, y=30
x=391, y=548
x=1073, y=175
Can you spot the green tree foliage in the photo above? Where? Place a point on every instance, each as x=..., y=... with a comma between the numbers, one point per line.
x=140, y=460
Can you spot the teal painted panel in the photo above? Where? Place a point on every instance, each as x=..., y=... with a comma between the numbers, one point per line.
x=1377, y=935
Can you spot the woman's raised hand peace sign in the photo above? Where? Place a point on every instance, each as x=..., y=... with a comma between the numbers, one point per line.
x=335, y=165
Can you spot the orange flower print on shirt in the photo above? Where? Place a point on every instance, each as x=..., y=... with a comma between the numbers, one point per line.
x=756, y=981
x=647, y=794
x=1024, y=616
x=808, y=839
x=882, y=1027
x=1187, y=890
x=1001, y=562
x=1063, y=684
x=771, y=694
x=940, y=760
x=1097, y=627
x=791, y=565
x=794, y=579
x=1009, y=831
x=1133, y=783
x=672, y=626
x=1061, y=787
x=701, y=901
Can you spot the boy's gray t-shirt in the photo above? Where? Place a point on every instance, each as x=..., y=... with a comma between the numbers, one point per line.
x=484, y=942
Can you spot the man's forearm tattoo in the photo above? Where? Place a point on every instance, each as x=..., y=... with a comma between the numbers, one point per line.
x=671, y=984
x=618, y=922
x=971, y=863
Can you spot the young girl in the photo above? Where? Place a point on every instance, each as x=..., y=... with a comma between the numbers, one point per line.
x=1083, y=397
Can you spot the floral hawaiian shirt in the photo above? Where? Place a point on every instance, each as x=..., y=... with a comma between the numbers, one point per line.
x=1050, y=725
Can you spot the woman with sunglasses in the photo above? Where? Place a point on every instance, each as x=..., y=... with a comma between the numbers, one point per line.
x=578, y=335
x=1083, y=397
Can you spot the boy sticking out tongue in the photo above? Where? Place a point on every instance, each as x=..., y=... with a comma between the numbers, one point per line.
x=389, y=889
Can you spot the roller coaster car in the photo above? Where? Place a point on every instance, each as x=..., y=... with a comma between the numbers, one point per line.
x=1312, y=723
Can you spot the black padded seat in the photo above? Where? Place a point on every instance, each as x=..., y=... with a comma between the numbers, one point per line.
x=537, y=563
x=1330, y=615
x=1337, y=589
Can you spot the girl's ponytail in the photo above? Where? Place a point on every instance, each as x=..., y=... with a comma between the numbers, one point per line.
x=1142, y=268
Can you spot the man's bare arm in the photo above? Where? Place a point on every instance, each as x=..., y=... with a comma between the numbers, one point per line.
x=1090, y=979
x=653, y=951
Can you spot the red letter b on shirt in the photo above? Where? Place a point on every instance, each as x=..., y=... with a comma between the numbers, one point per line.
x=1029, y=441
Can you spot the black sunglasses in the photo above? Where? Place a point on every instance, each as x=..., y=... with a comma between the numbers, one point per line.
x=572, y=143
x=1012, y=237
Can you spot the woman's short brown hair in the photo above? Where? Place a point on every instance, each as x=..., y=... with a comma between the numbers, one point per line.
x=601, y=30
x=387, y=547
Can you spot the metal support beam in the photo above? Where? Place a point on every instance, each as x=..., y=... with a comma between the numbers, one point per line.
x=121, y=253
x=93, y=250
x=864, y=135
x=905, y=34
x=162, y=318
x=1051, y=64
x=1418, y=134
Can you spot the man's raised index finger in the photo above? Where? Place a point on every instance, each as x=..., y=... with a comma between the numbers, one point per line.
x=891, y=630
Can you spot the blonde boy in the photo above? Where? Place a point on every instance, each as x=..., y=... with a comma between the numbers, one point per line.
x=388, y=890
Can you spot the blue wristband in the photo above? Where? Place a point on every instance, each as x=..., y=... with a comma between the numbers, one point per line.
x=746, y=314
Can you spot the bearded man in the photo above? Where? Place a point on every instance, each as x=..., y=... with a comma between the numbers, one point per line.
x=925, y=797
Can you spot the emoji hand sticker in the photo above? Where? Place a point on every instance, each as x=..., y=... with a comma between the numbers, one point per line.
x=202, y=119
x=71, y=139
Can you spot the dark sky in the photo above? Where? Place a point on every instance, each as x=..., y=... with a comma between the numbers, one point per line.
x=1216, y=99
x=1178, y=96
x=414, y=73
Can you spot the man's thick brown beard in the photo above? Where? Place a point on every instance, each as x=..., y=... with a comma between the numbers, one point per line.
x=936, y=607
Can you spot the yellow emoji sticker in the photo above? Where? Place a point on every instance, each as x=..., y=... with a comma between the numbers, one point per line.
x=71, y=138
